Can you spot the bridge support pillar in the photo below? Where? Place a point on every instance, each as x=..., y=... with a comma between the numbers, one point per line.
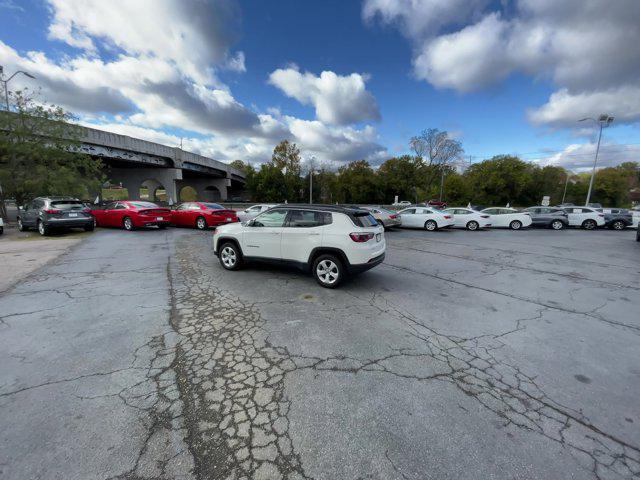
x=134, y=178
x=207, y=189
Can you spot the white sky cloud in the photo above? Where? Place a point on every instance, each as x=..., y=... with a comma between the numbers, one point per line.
x=338, y=100
x=160, y=74
x=578, y=157
x=588, y=49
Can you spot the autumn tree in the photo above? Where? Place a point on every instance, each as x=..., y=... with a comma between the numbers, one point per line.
x=40, y=153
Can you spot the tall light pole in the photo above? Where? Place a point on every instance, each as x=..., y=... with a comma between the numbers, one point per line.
x=603, y=120
x=312, y=160
x=7, y=80
x=566, y=184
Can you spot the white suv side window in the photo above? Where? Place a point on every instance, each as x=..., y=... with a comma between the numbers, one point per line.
x=273, y=218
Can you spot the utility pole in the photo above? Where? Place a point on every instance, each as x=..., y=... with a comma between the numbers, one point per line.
x=566, y=183
x=603, y=120
x=5, y=81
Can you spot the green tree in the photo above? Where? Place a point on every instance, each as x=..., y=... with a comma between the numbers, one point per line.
x=286, y=158
x=402, y=176
x=501, y=180
x=40, y=153
x=357, y=183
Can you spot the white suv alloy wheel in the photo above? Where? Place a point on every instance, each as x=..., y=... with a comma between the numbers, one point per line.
x=229, y=257
x=327, y=271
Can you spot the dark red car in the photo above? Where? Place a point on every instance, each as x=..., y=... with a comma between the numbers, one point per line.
x=132, y=214
x=437, y=204
x=202, y=215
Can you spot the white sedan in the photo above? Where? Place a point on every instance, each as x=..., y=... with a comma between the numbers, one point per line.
x=468, y=218
x=427, y=218
x=254, y=211
x=508, y=218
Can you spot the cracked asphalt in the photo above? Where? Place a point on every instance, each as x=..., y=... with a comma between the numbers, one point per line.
x=497, y=354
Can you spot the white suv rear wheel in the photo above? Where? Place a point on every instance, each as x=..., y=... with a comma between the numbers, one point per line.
x=328, y=271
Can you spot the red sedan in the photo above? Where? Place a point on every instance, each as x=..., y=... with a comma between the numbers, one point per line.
x=132, y=214
x=202, y=215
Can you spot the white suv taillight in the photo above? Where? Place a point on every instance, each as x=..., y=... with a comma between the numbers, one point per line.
x=361, y=237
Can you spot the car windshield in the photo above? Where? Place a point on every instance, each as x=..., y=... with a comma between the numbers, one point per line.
x=213, y=206
x=143, y=204
x=68, y=205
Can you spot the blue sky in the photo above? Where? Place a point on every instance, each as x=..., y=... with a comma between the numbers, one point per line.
x=233, y=78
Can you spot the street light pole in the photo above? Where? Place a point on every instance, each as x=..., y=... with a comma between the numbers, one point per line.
x=5, y=81
x=566, y=183
x=603, y=120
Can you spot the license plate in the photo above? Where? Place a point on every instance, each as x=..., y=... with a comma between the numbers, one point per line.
x=73, y=214
x=228, y=219
x=159, y=218
x=378, y=237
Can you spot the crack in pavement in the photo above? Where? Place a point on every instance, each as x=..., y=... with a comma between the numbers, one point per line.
x=549, y=305
x=230, y=379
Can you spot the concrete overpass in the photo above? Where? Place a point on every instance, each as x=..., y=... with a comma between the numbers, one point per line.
x=137, y=163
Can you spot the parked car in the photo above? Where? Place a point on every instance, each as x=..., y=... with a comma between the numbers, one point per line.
x=384, y=217
x=548, y=217
x=254, y=211
x=584, y=217
x=428, y=218
x=1, y=226
x=202, y=215
x=437, y=204
x=330, y=240
x=468, y=218
x=53, y=213
x=508, y=217
x=616, y=218
x=132, y=214
x=403, y=203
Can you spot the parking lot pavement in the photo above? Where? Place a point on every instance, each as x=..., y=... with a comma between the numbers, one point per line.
x=491, y=354
x=24, y=252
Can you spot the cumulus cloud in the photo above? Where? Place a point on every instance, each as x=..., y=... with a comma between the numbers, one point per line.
x=578, y=157
x=586, y=49
x=146, y=68
x=338, y=100
x=192, y=35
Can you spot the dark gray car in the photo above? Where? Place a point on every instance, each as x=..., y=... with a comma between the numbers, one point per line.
x=549, y=217
x=616, y=218
x=50, y=213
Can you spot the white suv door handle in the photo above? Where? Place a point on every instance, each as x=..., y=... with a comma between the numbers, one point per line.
x=313, y=234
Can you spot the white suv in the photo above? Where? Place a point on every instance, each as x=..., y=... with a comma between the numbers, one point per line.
x=584, y=217
x=330, y=240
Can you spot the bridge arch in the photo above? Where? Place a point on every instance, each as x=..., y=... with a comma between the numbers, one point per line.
x=188, y=194
x=153, y=191
x=212, y=194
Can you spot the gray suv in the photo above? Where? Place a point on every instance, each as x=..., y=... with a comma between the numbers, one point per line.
x=49, y=213
x=550, y=217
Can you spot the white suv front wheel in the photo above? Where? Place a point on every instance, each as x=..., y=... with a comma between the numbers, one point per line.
x=230, y=257
x=328, y=270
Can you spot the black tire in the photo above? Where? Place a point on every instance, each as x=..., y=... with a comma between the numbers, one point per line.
x=127, y=224
x=201, y=223
x=42, y=228
x=21, y=227
x=589, y=224
x=230, y=256
x=1, y=230
x=515, y=225
x=328, y=270
x=618, y=225
x=431, y=225
x=473, y=225
x=557, y=225
x=89, y=228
